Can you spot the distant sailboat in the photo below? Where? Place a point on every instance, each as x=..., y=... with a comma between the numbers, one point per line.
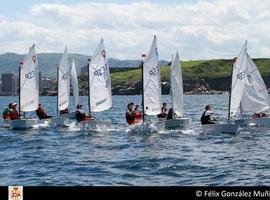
x=28, y=90
x=74, y=83
x=63, y=79
x=63, y=92
x=249, y=93
x=177, y=121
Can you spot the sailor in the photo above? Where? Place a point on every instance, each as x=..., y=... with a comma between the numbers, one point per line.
x=7, y=111
x=137, y=114
x=130, y=114
x=164, y=111
x=14, y=114
x=207, y=116
x=65, y=111
x=170, y=114
x=41, y=113
x=81, y=115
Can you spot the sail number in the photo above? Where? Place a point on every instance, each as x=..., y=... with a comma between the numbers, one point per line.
x=103, y=71
x=32, y=74
x=154, y=71
x=241, y=75
x=65, y=76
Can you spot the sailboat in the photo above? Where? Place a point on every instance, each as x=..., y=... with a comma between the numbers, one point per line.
x=178, y=121
x=74, y=83
x=63, y=91
x=28, y=90
x=249, y=92
x=99, y=83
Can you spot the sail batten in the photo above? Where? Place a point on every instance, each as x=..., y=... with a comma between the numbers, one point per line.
x=151, y=81
x=29, y=82
x=99, y=80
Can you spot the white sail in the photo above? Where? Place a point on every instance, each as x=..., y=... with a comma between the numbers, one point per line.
x=249, y=93
x=255, y=96
x=63, y=82
x=74, y=82
x=177, y=86
x=151, y=81
x=99, y=80
x=29, y=82
x=238, y=81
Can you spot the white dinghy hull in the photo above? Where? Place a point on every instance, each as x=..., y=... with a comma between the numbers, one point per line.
x=219, y=128
x=180, y=123
x=253, y=122
x=61, y=121
x=23, y=123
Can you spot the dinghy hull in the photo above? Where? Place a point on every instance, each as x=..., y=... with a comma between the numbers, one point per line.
x=220, y=128
x=181, y=123
x=23, y=123
x=253, y=122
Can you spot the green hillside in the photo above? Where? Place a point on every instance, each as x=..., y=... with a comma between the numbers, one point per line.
x=193, y=69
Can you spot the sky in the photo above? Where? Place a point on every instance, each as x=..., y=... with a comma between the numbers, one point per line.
x=198, y=29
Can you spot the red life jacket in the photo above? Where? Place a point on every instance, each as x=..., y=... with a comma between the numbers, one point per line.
x=14, y=115
x=6, y=116
x=130, y=117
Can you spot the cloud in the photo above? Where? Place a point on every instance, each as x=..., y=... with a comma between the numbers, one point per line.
x=201, y=30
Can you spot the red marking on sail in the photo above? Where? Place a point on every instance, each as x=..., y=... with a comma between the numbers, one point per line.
x=234, y=60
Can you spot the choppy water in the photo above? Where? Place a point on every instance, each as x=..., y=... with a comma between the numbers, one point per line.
x=114, y=157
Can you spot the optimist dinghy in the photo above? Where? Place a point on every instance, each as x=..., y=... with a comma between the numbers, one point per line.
x=177, y=94
x=28, y=90
x=99, y=83
x=249, y=92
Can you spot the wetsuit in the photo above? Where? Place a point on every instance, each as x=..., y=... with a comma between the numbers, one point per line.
x=81, y=116
x=130, y=117
x=163, y=113
x=41, y=113
x=206, y=118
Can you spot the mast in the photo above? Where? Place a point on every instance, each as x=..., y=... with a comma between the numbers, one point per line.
x=89, y=105
x=20, y=87
x=143, y=56
x=57, y=100
x=230, y=91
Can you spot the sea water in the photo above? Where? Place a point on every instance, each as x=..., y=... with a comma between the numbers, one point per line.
x=71, y=157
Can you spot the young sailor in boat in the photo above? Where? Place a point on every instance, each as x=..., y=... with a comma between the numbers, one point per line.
x=65, y=111
x=14, y=114
x=81, y=115
x=207, y=116
x=164, y=111
x=137, y=114
x=41, y=113
x=170, y=114
x=7, y=111
x=130, y=114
